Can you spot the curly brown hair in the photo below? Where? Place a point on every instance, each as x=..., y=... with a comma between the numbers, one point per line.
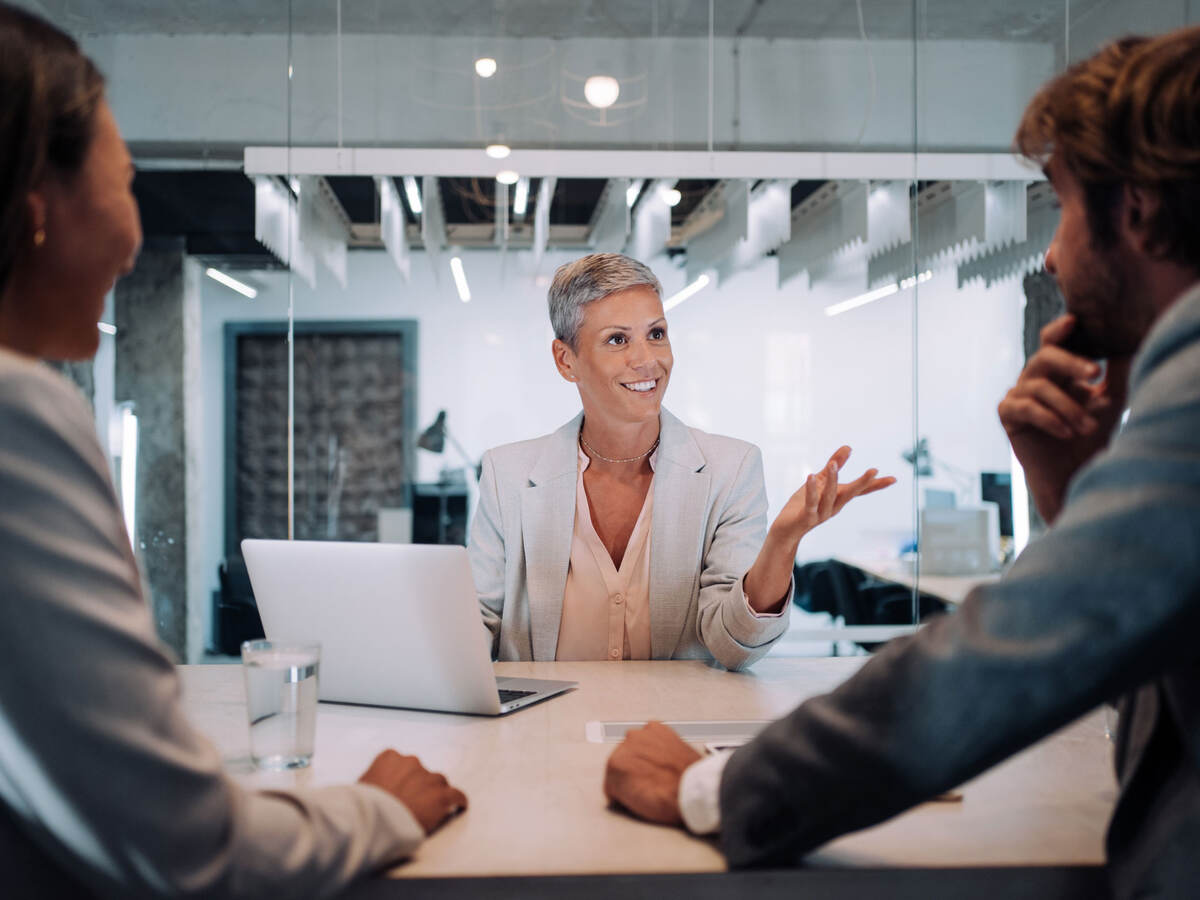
x=50, y=92
x=1128, y=115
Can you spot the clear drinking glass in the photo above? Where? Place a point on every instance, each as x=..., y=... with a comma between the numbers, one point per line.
x=281, y=701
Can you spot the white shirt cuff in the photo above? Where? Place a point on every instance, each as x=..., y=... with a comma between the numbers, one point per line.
x=700, y=794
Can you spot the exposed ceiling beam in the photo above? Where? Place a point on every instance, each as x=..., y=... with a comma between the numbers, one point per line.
x=478, y=236
x=465, y=163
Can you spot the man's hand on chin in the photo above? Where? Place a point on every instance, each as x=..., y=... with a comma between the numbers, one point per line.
x=643, y=773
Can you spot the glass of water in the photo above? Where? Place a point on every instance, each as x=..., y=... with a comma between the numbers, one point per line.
x=281, y=701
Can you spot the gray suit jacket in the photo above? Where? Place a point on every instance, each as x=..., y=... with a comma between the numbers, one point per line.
x=1108, y=601
x=710, y=518
x=100, y=773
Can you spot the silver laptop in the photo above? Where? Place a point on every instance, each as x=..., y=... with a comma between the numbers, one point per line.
x=399, y=624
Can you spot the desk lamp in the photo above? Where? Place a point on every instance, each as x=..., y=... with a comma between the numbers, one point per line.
x=434, y=440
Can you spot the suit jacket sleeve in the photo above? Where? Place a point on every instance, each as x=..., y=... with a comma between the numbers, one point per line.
x=486, y=551
x=96, y=758
x=1103, y=602
x=728, y=626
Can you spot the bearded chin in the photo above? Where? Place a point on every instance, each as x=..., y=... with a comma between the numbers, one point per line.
x=1084, y=341
x=1110, y=323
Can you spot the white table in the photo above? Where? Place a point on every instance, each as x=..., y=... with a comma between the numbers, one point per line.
x=534, y=783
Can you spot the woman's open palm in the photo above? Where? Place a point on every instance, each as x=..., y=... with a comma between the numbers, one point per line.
x=822, y=497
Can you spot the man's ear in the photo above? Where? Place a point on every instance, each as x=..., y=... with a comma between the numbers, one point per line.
x=1139, y=205
x=564, y=359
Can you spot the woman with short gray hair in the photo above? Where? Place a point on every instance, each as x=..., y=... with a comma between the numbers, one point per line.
x=626, y=534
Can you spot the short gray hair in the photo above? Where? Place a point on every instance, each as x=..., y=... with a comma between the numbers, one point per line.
x=589, y=278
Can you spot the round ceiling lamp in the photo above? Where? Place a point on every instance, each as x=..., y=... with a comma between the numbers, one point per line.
x=671, y=196
x=507, y=176
x=498, y=151
x=602, y=91
x=485, y=67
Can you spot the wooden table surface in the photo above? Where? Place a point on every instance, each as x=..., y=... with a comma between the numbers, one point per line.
x=533, y=778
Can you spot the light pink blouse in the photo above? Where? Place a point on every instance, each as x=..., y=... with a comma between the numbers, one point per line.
x=606, y=610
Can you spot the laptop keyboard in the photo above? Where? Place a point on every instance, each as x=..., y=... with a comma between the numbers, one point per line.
x=509, y=696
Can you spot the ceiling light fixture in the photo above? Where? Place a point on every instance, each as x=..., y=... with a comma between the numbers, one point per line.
x=232, y=283
x=106, y=328
x=521, y=197
x=671, y=196
x=695, y=287
x=498, y=151
x=413, y=193
x=602, y=91
x=633, y=191
x=507, y=176
x=460, y=279
x=485, y=67
x=878, y=294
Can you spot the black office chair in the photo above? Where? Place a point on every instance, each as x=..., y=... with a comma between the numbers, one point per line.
x=859, y=599
x=235, y=618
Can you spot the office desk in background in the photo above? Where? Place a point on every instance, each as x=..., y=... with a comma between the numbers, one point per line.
x=951, y=588
x=536, y=807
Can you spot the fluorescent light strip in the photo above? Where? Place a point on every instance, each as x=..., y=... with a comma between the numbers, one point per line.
x=460, y=279
x=878, y=294
x=696, y=286
x=232, y=283
x=521, y=197
x=106, y=327
x=413, y=194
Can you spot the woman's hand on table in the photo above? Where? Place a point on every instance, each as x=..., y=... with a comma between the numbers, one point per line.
x=643, y=773
x=428, y=795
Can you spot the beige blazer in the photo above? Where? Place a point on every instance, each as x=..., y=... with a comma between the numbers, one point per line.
x=710, y=519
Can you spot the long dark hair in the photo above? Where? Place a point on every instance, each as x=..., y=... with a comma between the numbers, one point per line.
x=49, y=94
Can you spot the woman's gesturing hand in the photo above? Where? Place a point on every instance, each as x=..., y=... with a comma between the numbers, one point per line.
x=822, y=497
x=766, y=584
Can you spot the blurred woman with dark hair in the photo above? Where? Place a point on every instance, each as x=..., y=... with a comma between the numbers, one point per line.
x=102, y=781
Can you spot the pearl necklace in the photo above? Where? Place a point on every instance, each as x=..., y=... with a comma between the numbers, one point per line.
x=592, y=450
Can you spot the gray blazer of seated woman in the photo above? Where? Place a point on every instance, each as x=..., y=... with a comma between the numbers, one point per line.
x=626, y=534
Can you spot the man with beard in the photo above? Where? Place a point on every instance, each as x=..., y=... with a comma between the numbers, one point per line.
x=1106, y=603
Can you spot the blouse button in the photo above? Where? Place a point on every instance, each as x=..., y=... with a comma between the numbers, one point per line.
x=614, y=653
x=618, y=599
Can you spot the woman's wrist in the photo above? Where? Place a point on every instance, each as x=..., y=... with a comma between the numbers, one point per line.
x=766, y=583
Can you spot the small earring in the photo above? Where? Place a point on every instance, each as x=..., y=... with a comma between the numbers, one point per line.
x=39, y=237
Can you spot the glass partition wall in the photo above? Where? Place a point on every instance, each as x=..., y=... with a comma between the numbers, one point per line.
x=760, y=157
x=353, y=210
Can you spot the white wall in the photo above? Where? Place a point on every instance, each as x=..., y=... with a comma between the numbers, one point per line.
x=751, y=360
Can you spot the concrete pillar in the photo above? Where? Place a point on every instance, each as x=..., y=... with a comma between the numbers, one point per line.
x=156, y=307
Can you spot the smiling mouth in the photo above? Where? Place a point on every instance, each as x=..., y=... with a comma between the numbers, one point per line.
x=641, y=387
